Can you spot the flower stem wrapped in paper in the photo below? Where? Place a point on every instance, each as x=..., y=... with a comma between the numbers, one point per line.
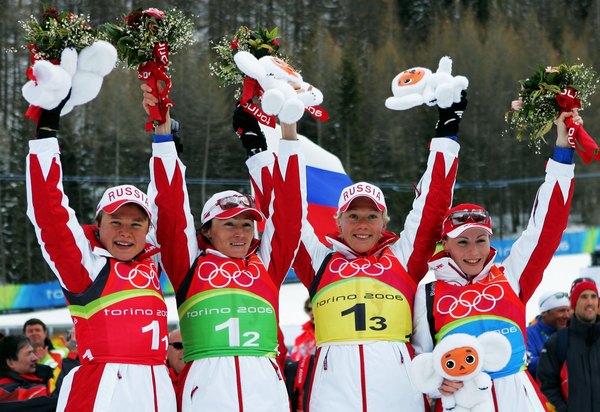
x=144, y=42
x=251, y=60
x=549, y=92
x=66, y=56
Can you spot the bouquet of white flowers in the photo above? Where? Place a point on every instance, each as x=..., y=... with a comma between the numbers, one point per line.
x=545, y=95
x=144, y=41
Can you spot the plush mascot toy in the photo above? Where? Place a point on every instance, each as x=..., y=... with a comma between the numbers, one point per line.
x=419, y=85
x=81, y=74
x=463, y=357
x=285, y=94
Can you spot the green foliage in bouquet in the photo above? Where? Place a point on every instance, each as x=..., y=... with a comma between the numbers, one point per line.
x=135, y=37
x=260, y=42
x=538, y=107
x=57, y=30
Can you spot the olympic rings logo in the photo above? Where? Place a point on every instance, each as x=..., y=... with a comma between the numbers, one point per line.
x=222, y=276
x=139, y=276
x=470, y=300
x=349, y=268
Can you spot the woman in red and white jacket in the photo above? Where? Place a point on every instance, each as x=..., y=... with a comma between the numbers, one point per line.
x=227, y=282
x=111, y=284
x=362, y=288
x=473, y=295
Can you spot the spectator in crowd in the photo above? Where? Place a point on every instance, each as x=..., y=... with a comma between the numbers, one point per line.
x=570, y=360
x=37, y=333
x=302, y=362
x=175, y=360
x=305, y=343
x=72, y=359
x=555, y=312
x=23, y=381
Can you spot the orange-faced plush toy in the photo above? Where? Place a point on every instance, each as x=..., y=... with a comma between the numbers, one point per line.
x=463, y=357
x=418, y=85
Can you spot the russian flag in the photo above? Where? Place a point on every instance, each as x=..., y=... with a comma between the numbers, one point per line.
x=325, y=180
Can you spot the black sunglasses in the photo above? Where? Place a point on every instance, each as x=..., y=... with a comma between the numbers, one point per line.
x=176, y=345
x=557, y=295
x=579, y=280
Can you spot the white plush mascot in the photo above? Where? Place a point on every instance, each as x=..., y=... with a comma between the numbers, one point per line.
x=463, y=357
x=419, y=85
x=279, y=82
x=81, y=74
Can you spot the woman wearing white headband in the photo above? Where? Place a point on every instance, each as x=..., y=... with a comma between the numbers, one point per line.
x=473, y=295
x=227, y=282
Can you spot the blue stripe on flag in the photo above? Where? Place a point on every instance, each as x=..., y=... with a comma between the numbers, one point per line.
x=324, y=186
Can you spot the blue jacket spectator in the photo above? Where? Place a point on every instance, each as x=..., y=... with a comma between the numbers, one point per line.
x=554, y=314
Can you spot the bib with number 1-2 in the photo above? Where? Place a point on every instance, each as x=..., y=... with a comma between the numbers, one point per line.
x=228, y=322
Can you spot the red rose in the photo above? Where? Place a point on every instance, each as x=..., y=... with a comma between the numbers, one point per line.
x=154, y=13
x=234, y=44
x=134, y=18
x=51, y=13
x=275, y=43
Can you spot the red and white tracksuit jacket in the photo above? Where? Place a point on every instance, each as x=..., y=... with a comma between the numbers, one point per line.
x=117, y=307
x=495, y=299
x=363, y=304
x=228, y=307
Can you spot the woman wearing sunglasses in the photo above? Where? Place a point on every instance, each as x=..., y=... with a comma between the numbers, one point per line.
x=473, y=295
x=227, y=282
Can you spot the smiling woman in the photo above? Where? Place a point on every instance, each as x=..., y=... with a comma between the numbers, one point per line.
x=362, y=286
x=227, y=282
x=123, y=232
x=109, y=262
x=474, y=295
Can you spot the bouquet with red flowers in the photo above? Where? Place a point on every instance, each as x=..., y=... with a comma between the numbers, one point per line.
x=545, y=95
x=144, y=40
x=57, y=31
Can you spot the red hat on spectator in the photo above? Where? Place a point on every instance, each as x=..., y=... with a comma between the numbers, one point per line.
x=579, y=286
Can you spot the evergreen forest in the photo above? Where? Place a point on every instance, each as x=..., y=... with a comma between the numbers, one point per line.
x=351, y=50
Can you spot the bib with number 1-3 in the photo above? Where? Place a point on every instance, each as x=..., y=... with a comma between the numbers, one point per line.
x=365, y=305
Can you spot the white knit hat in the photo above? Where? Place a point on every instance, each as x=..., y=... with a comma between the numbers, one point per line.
x=553, y=299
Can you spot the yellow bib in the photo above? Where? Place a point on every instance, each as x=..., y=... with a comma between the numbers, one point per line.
x=361, y=308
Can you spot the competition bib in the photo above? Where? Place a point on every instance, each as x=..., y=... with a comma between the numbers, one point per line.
x=361, y=308
x=227, y=322
x=488, y=305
